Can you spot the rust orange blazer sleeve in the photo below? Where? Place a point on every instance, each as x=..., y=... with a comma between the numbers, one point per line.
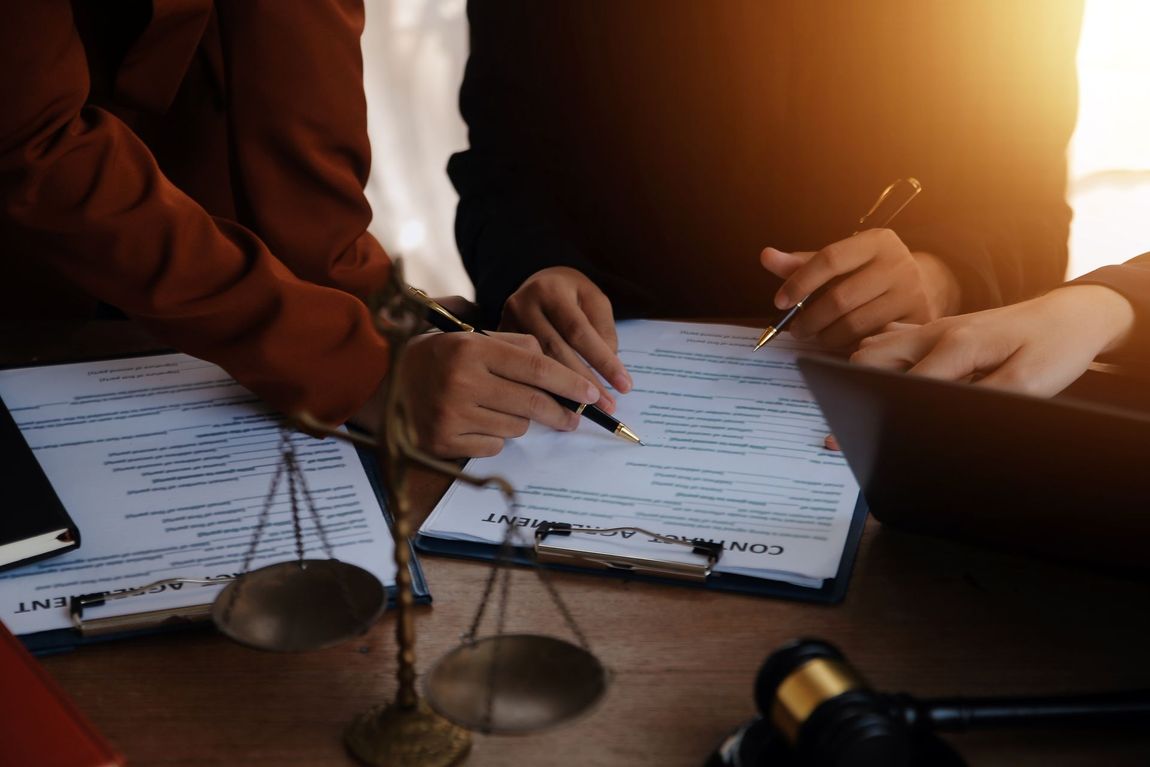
x=81, y=192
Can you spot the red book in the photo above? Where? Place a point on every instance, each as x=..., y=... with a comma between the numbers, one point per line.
x=40, y=726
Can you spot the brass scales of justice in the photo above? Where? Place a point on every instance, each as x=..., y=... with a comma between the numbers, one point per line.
x=498, y=684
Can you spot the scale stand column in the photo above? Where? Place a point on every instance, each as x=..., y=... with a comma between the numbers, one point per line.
x=406, y=732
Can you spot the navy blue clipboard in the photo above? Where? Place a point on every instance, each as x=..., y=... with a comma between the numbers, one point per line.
x=833, y=590
x=65, y=639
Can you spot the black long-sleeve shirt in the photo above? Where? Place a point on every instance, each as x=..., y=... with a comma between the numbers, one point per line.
x=659, y=145
x=1132, y=280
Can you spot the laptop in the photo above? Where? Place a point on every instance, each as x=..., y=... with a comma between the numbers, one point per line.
x=1056, y=476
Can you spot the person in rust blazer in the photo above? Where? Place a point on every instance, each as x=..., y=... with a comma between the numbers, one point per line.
x=199, y=166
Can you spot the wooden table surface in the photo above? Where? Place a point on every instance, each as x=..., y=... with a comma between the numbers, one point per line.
x=923, y=615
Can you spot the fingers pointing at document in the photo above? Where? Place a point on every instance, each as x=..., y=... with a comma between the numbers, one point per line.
x=573, y=321
x=860, y=285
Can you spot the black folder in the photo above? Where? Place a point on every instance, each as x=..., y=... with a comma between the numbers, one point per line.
x=33, y=522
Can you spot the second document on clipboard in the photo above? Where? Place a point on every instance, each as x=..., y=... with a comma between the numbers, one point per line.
x=733, y=455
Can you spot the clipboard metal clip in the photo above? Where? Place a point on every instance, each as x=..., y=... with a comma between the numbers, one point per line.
x=150, y=619
x=630, y=562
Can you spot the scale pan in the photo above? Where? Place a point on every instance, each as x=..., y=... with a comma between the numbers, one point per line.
x=511, y=684
x=299, y=605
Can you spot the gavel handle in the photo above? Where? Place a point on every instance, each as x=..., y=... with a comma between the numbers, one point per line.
x=1121, y=709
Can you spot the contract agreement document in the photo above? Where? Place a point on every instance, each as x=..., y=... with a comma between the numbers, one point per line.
x=165, y=464
x=732, y=453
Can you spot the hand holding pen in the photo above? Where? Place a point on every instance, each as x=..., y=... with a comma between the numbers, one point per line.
x=855, y=287
x=467, y=393
x=533, y=386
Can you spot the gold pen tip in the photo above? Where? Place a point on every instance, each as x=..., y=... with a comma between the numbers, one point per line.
x=767, y=335
x=627, y=434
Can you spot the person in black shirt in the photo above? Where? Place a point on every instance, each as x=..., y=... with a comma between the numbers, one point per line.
x=638, y=158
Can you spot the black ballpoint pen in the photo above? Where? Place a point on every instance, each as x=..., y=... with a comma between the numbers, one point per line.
x=440, y=317
x=893, y=199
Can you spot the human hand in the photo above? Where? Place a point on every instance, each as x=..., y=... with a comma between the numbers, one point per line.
x=1036, y=347
x=867, y=281
x=573, y=322
x=466, y=393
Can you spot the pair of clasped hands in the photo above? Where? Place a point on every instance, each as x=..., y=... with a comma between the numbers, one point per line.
x=469, y=393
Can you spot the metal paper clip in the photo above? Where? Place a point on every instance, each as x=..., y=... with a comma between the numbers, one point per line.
x=150, y=619
x=630, y=562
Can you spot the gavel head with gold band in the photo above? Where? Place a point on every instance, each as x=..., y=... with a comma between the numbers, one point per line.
x=826, y=711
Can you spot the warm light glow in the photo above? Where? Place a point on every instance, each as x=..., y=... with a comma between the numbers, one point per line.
x=412, y=234
x=415, y=60
x=1110, y=152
